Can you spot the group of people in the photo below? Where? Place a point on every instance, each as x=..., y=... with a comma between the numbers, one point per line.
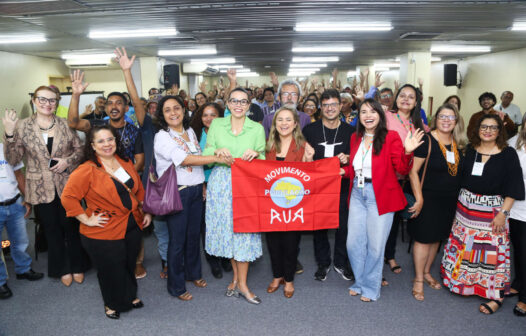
x=394, y=166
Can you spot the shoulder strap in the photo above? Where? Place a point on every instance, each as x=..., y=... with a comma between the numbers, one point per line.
x=427, y=161
x=116, y=179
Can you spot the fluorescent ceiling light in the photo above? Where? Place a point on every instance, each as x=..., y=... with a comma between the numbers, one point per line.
x=322, y=49
x=237, y=70
x=308, y=65
x=7, y=39
x=315, y=59
x=519, y=26
x=304, y=69
x=70, y=56
x=328, y=26
x=229, y=66
x=299, y=74
x=436, y=59
x=460, y=49
x=106, y=34
x=351, y=73
x=187, y=52
x=248, y=74
x=386, y=65
x=96, y=61
x=225, y=60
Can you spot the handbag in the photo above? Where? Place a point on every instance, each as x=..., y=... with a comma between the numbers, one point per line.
x=162, y=194
x=405, y=214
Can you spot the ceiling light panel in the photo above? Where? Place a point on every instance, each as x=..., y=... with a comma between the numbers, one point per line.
x=225, y=60
x=12, y=39
x=188, y=51
x=308, y=65
x=342, y=27
x=322, y=49
x=519, y=26
x=128, y=33
x=446, y=48
x=315, y=59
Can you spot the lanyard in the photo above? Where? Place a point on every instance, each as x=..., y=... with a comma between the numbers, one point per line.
x=410, y=128
x=364, y=155
x=335, y=134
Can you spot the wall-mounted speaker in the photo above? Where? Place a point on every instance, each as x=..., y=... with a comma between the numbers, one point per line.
x=450, y=74
x=171, y=75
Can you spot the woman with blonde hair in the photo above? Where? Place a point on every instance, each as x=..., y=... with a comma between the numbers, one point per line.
x=285, y=143
x=435, y=183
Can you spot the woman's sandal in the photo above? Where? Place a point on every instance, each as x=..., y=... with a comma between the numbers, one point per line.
x=352, y=293
x=365, y=299
x=432, y=283
x=396, y=269
x=418, y=295
x=110, y=313
x=185, y=296
x=489, y=309
x=201, y=283
x=519, y=311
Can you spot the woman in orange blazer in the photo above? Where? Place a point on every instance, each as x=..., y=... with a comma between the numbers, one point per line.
x=285, y=143
x=376, y=155
x=112, y=222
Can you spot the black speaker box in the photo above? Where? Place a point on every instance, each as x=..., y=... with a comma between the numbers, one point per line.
x=450, y=74
x=171, y=75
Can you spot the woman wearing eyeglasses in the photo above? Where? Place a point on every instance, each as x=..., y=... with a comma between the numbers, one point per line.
x=235, y=136
x=476, y=257
x=52, y=151
x=436, y=197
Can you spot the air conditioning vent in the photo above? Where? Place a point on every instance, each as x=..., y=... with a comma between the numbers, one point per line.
x=416, y=36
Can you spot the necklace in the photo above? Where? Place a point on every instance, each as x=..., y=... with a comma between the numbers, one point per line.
x=180, y=133
x=452, y=168
x=335, y=134
x=408, y=128
x=48, y=128
x=110, y=165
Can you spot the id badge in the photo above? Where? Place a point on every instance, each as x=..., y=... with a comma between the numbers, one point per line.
x=450, y=157
x=361, y=181
x=191, y=147
x=329, y=151
x=45, y=136
x=3, y=170
x=478, y=168
x=121, y=175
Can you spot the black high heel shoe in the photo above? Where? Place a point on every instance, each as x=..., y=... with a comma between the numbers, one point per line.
x=115, y=315
x=519, y=311
x=137, y=304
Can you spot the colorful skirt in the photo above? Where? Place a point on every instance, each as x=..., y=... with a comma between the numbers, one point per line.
x=476, y=261
x=221, y=241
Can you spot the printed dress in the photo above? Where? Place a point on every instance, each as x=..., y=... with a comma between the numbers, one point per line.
x=477, y=261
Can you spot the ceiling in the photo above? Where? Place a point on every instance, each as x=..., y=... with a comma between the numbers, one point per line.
x=260, y=34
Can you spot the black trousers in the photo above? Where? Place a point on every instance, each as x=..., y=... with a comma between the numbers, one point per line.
x=115, y=264
x=322, y=247
x=518, y=239
x=390, y=245
x=65, y=252
x=283, y=248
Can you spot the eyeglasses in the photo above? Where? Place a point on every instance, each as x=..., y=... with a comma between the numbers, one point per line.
x=43, y=100
x=326, y=106
x=242, y=102
x=103, y=141
x=493, y=128
x=384, y=96
x=289, y=94
x=447, y=117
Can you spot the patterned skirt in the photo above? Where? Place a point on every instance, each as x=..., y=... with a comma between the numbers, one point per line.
x=476, y=261
x=220, y=239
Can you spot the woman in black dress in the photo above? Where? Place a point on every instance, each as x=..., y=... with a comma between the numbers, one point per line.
x=436, y=196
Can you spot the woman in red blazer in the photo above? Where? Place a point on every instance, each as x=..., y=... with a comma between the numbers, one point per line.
x=285, y=143
x=376, y=155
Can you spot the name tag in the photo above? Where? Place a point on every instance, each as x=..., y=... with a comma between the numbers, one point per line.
x=361, y=181
x=329, y=151
x=192, y=147
x=478, y=168
x=450, y=157
x=121, y=175
x=3, y=170
x=45, y=136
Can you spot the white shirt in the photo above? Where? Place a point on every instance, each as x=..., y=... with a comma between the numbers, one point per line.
x=8, y=183
x=518, y=210
x=363, y=164
x=513, y=111
x=171, y=148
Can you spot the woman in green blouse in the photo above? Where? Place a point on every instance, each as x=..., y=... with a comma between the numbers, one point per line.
x=235, y=136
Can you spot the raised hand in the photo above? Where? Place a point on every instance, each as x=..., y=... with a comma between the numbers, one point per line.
x=378, y=80
x=334, y=74
x=232, y=76
x=9, y=120
x=359, y=95
x=77, y=82
x=420, y=82
x=202, y=86
x=273, y=79
x=88, y=109
x=413, y=140
x=396, y=85
x=122, y=58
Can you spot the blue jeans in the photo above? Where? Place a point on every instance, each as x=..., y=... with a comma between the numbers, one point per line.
x=184, y=246
x=12, y=217
x=367, y=234
x=161, y=232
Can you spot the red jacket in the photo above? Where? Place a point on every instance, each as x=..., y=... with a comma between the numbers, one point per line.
x=387, y=191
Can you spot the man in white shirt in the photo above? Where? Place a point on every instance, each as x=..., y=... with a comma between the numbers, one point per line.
x=512, y=110
x=13, y=212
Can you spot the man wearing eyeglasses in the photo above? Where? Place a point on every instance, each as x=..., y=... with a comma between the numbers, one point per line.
x=289, y=92
x=330, y=137
x=386, y=98
x=487, y=100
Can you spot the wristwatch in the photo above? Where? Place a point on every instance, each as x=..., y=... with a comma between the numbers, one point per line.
x=506, y=213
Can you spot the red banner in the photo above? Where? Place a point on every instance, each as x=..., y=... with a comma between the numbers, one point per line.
x=285, y=196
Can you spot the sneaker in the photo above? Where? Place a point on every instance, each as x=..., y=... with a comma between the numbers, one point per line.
x=345, y=272
x=321, y=273
x=299, y=267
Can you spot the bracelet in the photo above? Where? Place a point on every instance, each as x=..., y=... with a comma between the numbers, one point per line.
x=505, y=213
